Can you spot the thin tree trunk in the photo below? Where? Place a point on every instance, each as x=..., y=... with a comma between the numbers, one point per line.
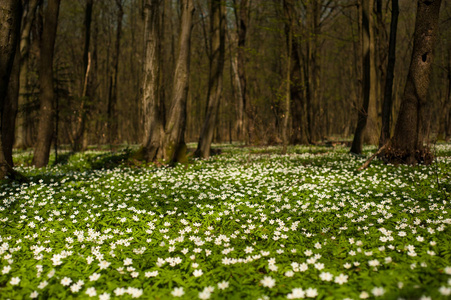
x=174, y=141
x=153, y=131
x=288, y=8
x=47, y=95
x=357, y=143
x=448, y=123
x=217, y=33
x=85, y=96
x=407, y=141
x=388, y=92
x=10, y=19
x=242, y=23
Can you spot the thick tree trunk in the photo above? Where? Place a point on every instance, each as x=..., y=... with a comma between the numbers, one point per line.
x=112, y=99
x=217, y=33
x=47, y=95
x=85, y=93
x=388, y=91
x=174, y=141
x=22, y=140
x=448, y=123
x=10, y=19
x=363, y=112
x=407, y=142
x=153, y=119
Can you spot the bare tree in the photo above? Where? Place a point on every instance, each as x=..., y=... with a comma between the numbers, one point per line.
x=153, y=113
x=407, y=142
x=217, y=32
x=174, y=140
x=388, y=91
x=47, y=95
x=10, y=19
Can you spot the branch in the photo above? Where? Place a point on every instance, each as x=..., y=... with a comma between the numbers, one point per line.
x=368, y=161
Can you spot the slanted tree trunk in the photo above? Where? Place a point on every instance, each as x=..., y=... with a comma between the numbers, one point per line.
x=47, y=95
x=174, y=140
x=217, y=33
x=10, y=18
x=407, y=141
x=363, y=112
x=85, y=93
x=388, y=90
x=153, y=119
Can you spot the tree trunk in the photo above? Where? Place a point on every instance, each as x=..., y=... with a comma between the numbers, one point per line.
x=407, y=142
x=47, y=95
x=112, y=99
x=153, y=131
x=217, y=33
x=10, y=19
x=85, y=93
x=288, y=7
x=22, y=138
x=448, y=124
x=388, y=91
x=242, y=23
x=363, y=112
x=174, y=140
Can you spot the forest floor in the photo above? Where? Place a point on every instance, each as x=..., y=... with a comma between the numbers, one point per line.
x=247, y=224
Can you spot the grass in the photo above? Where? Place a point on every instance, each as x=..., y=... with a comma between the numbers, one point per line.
x=246, y=224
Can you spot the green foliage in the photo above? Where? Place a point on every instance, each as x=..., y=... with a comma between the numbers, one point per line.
x=255, y=223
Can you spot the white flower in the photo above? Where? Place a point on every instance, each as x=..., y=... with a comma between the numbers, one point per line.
x=43, y=285
x=104, y=296
x=198, y=273
x=94, y=277
x=34, y=295
x=119, y=291
x=296, y=294
x=248, y=250
x=205, y=294
x=378, y=291
x=373, y=263
x=448, y=270
x=289, y=273
x=128, y=261
x=15, y=281
x=178, y=292
x=424, y=297
x=446, y=291
x=326, y=276
x=311, y=293
x=223, y=285
x=151, y=274
x=364, y=295
x=340, y=279
x=66, y=281
x=319, y=266
x=75, y=288
x=6, y=269
x=91, y=292
x=268, y=281
x=104, y=265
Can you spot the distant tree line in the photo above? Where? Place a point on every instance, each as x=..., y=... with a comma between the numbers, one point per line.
x=163, y=73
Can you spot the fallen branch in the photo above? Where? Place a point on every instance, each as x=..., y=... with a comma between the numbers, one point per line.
x=368, y=161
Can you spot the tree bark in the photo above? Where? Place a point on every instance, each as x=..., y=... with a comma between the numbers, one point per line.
x=288, y=8
x=85, y=93
x=217, y=33
x=407, y=142
x=112, y=99
x=10, y=18
x=174, y=140
x=20, y=73
x=388, y=91
x=47, y=95
x=153, y=119
x=242, y=23
x=367, y=80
